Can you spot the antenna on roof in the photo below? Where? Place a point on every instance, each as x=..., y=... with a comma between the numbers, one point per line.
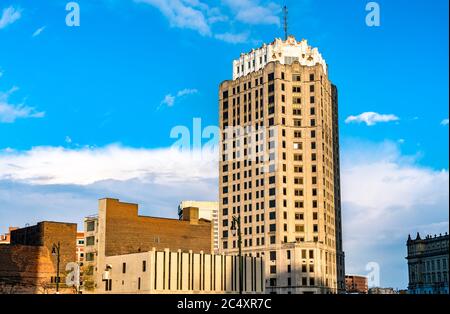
x=285, y=13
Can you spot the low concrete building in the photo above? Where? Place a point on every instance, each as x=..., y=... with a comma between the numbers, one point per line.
x=180, y=272
x=356, y=284
x=428, y=264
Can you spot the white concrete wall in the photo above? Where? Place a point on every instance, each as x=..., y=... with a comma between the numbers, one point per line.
x=186, y=273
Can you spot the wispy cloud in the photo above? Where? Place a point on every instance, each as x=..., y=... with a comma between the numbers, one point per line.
x=169, y=99
x=253, y=12
x=38, y=31
x=183, y=14
x=233, y=38
x=444, y=122
x=371, y=118
x=202, y=17
x=9, y=16
x=10, y=112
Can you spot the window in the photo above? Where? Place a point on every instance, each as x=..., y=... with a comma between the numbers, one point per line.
x=299, y=228
x=311, y=77
x=90, y=226
x=90, y=240
x=273, y=269
x=89, y=257
x=270, y=77
x=288, y=254
x=299, y=216
x=144, y=266
x=272, y=228
x=273, y=255
x=124, y=268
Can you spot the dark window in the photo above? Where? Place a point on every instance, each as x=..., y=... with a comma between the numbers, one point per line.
x=124, y=268
x=144, y=266
x=273, y=255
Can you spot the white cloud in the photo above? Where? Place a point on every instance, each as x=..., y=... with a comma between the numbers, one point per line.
x=253, y=12
x=9, y=16
x=187, y=91
x=169, y=99
x=68, y=139
x=385, y=197
x=58, y=165
x=371, y=118
x=183, y=14
x=10, y=112
x=201, y=17
x=38, y=31
x=444, y=122
x=233, y=38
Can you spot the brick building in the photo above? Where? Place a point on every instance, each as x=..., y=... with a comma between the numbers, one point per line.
x=27, y=264
x=119, y=229
x=356, y=284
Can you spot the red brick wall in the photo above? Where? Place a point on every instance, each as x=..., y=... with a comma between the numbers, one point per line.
x=126, y=232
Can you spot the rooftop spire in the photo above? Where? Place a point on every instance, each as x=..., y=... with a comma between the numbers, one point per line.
x=285, y=14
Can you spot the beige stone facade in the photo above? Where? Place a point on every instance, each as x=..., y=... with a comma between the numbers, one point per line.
x=279, y=171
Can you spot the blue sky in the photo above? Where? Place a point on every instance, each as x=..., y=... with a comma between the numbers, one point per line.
x=79, y=90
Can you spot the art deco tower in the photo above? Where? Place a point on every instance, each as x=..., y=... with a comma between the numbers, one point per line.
x=279, y=167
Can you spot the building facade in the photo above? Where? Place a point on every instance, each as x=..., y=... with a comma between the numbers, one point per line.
x=208, y=211
x=180, y=272
x=279, y=167
x=428, y=264
x=356, y=284
x=28, y=265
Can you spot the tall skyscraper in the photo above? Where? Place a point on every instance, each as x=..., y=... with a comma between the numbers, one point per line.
x=279, y=167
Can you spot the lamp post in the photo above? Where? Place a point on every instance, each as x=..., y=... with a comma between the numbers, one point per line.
x=55, y=252
x=236, y=227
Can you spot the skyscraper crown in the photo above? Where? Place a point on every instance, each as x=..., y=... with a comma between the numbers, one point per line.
x=284, y=51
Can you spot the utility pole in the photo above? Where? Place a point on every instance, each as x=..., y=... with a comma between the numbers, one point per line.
x=236, y=226
x=56, y=251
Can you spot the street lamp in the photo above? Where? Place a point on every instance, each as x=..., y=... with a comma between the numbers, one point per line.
x=55, y=252
x=236, y=227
